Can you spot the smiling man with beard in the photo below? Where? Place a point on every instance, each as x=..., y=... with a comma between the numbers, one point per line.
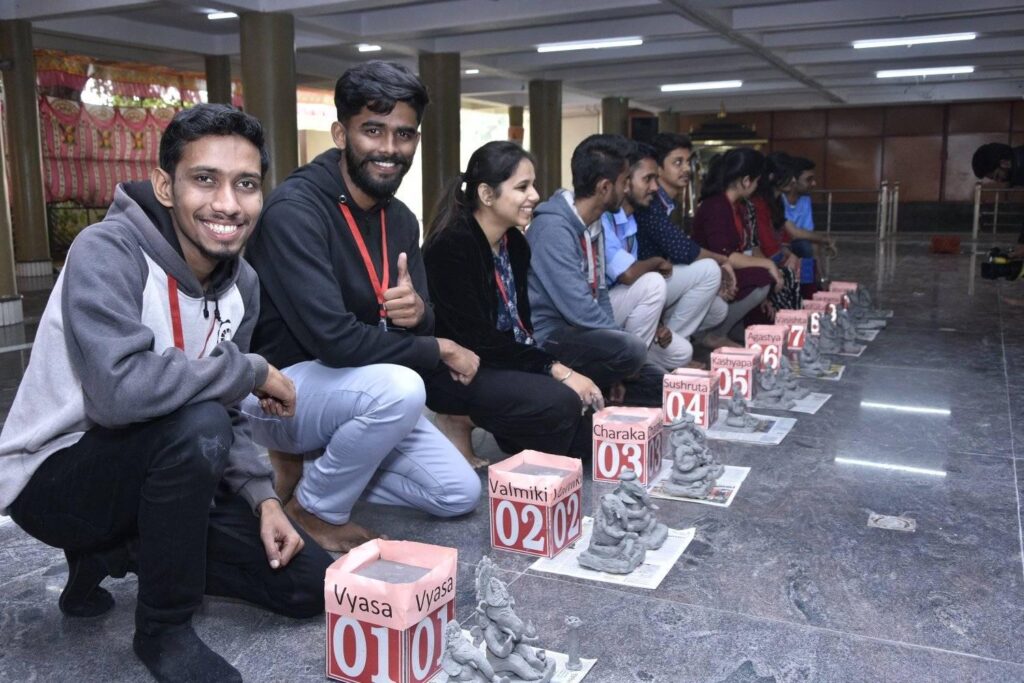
x=345, y=313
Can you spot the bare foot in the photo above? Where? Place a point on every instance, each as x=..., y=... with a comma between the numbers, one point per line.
x=287, y=473
x=459, y=430
x=714, y=341
x=336, y=538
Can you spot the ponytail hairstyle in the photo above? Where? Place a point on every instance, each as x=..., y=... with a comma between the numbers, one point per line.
x=779, y=170
x=491, y=165
x=739, y=162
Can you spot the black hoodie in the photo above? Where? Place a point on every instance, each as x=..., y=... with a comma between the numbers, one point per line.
x=316, y=300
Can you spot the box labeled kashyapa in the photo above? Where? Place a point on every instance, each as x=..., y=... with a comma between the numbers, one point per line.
x=769, y=341
x=387, y=606
x=797, y=320
x=690, y=391
x=627, y=439
x=535, y=501
x=736, y=370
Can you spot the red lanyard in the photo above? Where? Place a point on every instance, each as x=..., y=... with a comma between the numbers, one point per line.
x=176, y=329
x=378, y=285
x=513, y=311
x=593, y=259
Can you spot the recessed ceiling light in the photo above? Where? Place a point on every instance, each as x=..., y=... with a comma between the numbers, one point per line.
x=590, y=44
x=705, y=85
x=471, y=72
x=912, y=40
x=367, y=47
x=216, y=16
x=935, y=71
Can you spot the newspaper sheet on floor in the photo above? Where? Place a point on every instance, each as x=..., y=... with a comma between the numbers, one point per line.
x=809, y=404
x=770, y=432
x=867, y=335
x=834, y=374
x=855, y=354
x=721, y=493
x=562, y=675
x=656, y=566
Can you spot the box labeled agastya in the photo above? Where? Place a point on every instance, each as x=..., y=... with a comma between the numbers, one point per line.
x=627, y=439
x=769, y=341
x=690, y=391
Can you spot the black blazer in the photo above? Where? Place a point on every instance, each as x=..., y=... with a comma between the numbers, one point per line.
x=460, y=277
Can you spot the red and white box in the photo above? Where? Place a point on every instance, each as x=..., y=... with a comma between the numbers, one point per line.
x=797, y=320
x=835, y=301
x=814, y=309
x=769, y=341
x=690, y=391
x=845, y=288
x=536, y=502
x=735, y=370
x=388, y=603
x=627, y=439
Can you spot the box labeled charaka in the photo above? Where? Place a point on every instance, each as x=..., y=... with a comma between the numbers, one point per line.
x=797, y=320
x=690, y=391
x=814, y=309
x=627, y=439
x=769, y=341
x=735, y=370
x=387, y=606
x=535, y=501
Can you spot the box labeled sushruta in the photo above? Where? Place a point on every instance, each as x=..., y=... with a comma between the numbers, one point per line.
x=535, y=501
x=627, y=438
x=769, y=341
x=797, y=320
x=387, y=606
x=690, y=391
x=836, y=301
x=814, y=309
x=735, y=369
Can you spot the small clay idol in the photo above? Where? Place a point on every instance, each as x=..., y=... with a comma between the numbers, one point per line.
x=463, y=662
x=694, y=470
x=772, y=391
x=613, y=547
x=640, y=511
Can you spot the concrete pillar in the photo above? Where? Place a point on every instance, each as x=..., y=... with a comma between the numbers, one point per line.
x=218, y=79
x=668, y=122
x=10, y=301
x=546, y=134
x=32, y=242
x=615, y=116
x=268, y=78
x=516, y=132
x=439, y=142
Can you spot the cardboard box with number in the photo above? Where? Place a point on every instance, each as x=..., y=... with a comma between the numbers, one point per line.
x=627, y=438
x=736, y=370
x=797, y=320
x=387, y=606
x=690, y=391
x=814, y=310
x=836, y=301
x=769, y=341
x=536, y=502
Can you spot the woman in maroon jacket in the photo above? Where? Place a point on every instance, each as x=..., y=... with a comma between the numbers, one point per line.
x=721, y=225
x=476, y=259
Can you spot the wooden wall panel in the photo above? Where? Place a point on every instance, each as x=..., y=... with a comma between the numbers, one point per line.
x=916, y=162
x=914, y=120
x=979, y=117
x=855, y=123
x=853, y=163
x=959, y=177
x=810, y=149
x=799, y=124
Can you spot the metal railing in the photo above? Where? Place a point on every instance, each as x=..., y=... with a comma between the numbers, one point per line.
x=1013, y=209
x=884, y=217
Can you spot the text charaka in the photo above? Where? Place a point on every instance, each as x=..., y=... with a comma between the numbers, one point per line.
x=426, y=598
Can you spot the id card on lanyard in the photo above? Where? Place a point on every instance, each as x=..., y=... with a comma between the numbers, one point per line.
x=381, y=284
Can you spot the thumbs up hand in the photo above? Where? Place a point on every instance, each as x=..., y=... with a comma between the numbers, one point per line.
x=403, y=305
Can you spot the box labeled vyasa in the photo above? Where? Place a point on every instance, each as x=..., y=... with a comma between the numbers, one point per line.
x=535, y=501
x=769, y=342
x=836, y=301
x=797, y=321
x=735, y=370
x=814, y=310
x=627, y=439
x=387, y=606
x=690, y=391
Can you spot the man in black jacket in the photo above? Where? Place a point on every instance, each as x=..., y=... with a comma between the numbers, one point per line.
x=345, y=313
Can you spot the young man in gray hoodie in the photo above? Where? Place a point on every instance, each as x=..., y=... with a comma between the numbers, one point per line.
x=125, y=445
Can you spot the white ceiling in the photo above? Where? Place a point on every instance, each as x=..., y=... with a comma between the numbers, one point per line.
x=789, y=54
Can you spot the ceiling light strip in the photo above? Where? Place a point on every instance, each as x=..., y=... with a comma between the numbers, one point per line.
x=590, y=44
x=706, y=85
x=934, y=71
x=912, y=40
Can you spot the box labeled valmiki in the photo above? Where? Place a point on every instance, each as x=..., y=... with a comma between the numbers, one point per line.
x=690, y=391
x=627, y=439
x=797, y=320
x=769, y=341
x=735, y=369
x=814, y=310
x=536, y=500
x=387, y=606
x=836, y=301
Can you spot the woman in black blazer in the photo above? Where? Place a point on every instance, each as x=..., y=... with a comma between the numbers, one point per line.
x=476, y=260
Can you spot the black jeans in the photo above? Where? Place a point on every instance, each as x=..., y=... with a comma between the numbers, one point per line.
x=522, y=410
x=156, y=484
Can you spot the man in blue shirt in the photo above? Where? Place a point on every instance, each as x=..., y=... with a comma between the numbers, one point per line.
x=797, y=202
x=663, y=304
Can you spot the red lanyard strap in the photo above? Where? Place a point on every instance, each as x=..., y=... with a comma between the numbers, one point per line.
x=513, y=311
x=172, y=301
x=378, y=285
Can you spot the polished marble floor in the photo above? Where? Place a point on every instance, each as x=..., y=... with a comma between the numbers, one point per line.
x=790, y=584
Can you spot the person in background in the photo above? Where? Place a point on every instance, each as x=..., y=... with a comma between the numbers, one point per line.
x=1000, y=163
